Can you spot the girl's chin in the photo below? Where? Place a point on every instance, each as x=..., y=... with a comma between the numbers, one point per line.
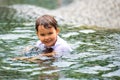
x=49, y=44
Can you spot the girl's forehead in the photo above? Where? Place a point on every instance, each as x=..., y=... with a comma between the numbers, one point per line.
x=43, y=29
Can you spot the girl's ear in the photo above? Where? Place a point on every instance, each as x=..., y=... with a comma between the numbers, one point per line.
x=58, y=30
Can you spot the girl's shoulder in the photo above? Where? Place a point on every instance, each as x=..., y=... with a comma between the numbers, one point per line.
x=40, y=45
x=61, y=44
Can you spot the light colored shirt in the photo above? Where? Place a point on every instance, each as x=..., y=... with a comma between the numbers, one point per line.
x=61, y=47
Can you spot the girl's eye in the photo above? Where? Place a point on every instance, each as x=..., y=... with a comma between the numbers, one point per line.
x=42, y=34
x=50, y=33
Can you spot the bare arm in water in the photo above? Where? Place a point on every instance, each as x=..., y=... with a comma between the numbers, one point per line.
x=35, y=57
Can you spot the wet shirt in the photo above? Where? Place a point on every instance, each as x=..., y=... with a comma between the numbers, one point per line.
x=61, y=47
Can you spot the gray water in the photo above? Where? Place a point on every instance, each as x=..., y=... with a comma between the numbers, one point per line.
x=95, y=56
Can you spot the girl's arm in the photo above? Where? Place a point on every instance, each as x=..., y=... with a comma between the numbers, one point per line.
x=51, y=54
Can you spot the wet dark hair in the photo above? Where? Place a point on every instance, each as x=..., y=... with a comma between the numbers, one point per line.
x=47, y=21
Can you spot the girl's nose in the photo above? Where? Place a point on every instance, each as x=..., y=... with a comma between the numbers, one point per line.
x=46, y=37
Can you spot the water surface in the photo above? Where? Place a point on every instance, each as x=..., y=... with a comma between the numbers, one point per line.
x=95, y=56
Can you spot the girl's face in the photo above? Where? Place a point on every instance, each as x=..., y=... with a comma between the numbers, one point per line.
x=48, y=36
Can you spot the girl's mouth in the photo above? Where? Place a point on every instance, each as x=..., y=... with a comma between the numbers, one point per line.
x=48, y=41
